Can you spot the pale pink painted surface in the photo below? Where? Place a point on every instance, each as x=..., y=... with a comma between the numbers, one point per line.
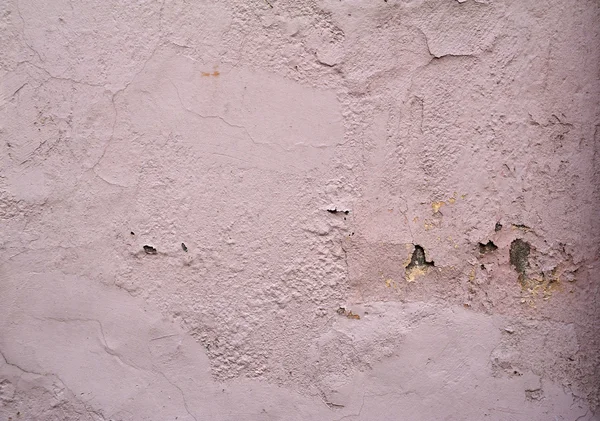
x=236, y=128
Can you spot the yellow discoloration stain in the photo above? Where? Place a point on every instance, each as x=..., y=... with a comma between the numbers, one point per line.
x=215, y=73
x=409, y=249
x=351, y=315
x=428, y=225
x=436, y=206
x=415, y=272
x=541, y=286
x=390, y=283
x=521, y=228
x=472, y=275
x=530, y=302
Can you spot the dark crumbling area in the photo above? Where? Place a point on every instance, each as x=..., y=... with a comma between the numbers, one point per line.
x=519, y=257
x=418, y=259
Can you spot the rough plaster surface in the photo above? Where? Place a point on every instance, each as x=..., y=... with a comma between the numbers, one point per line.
x=281, y=162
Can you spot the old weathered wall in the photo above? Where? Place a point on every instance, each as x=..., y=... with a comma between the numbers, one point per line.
x=299, y=210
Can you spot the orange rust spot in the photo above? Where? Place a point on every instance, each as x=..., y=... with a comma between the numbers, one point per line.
x=205, y=74
x=351, y=315
x=216, y=73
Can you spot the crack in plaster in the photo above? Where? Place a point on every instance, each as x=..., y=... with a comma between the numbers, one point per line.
x=86, y=406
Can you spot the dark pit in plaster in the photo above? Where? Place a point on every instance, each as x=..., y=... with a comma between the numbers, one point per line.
x=488, y=247
x=335, y=210
x=150, y=250
x=418, y=259
x=519, y=256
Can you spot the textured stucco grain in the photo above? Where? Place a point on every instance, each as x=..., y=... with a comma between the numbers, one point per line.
x=300, y=151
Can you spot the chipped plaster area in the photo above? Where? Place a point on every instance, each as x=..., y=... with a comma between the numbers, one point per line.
x=310, y=210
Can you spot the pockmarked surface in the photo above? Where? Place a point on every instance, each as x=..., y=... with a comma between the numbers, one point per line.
x=310, y=210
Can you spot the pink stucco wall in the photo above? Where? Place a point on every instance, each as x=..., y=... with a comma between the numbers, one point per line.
x=299, y=210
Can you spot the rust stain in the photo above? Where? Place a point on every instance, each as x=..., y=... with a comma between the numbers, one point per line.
x=215, y=73
x=349, y=314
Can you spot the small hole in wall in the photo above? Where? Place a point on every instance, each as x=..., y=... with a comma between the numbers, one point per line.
x=336, y=210
x=149, y=250
x=488, y=247
x=418, y=259
x=498, y=227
